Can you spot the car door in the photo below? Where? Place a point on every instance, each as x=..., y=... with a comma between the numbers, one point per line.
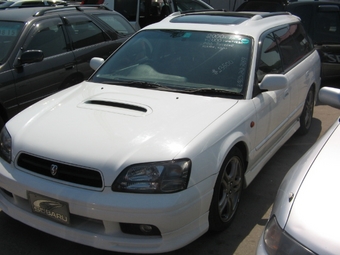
x=272, y=107
x=294, y=46
x=37, y=80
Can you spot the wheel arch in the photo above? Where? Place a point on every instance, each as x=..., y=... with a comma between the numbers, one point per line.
x=241, y=144
x=244, y=150
x=306, y=115
x=221, y=214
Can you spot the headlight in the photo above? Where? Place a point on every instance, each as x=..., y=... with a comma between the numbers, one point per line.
x=5, y=145
x=278, y=241
x=159, y=177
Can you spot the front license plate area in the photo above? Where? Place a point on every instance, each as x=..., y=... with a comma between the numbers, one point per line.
x=49, y=208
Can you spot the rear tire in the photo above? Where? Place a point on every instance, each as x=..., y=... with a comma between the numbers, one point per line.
x=227, y=191
x=307, y=114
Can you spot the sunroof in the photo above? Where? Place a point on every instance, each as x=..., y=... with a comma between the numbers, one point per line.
x=210, y=19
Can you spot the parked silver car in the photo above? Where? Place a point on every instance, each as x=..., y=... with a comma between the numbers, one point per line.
x=305, y=215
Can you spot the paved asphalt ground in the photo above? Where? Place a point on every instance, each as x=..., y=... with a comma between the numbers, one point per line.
x=240, y=239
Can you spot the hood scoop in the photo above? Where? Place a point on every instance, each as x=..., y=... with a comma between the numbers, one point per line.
x=116, y=106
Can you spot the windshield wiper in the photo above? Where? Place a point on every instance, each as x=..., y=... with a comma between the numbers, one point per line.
x=154, y=85
x=215, y=92
x=139, y=84
x=142, y=84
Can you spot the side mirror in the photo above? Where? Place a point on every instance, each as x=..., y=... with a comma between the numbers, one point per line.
x=31, y=56
x=273, y=82
x=95, y=63
x=330, y=96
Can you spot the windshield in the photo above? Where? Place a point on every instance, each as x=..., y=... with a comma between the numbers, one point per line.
x=181, y=60
x=9, y=33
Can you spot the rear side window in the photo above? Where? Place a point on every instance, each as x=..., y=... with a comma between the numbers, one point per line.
x=85, y=33
x=118, y=23
x=282, y=49
x=294, y=44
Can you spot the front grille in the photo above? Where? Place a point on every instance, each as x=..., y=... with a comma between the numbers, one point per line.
x=60, y=171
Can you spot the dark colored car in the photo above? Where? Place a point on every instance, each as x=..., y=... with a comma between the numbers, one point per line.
x=44, y=50
x=321, y=20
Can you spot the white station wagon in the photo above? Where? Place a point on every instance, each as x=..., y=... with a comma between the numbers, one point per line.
x=155, y=148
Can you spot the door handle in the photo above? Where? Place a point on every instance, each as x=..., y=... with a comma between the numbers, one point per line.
x=69, y=66
x=286, y=93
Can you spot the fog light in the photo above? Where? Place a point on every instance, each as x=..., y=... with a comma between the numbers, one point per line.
x=140, y=229
x=145, y=228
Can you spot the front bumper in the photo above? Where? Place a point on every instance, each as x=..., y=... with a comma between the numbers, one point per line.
x=260, y=250
x=96, y=215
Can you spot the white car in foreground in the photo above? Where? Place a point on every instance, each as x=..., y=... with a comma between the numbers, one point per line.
x=155, y=148
x=305, y=215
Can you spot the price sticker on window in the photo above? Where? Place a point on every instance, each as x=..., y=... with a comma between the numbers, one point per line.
x=8, y=32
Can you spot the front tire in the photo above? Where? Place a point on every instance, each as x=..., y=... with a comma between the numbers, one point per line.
x=227, y=191
x=307, y=113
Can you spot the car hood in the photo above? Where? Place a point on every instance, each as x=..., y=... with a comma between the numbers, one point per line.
x=314, y=217
x=110, y=127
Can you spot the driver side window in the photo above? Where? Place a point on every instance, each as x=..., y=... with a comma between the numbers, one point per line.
x=49, y=38
x=270, y=61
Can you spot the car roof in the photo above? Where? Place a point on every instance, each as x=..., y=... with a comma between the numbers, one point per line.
x=246, y=23
x=18, y=14
x=25, y=14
